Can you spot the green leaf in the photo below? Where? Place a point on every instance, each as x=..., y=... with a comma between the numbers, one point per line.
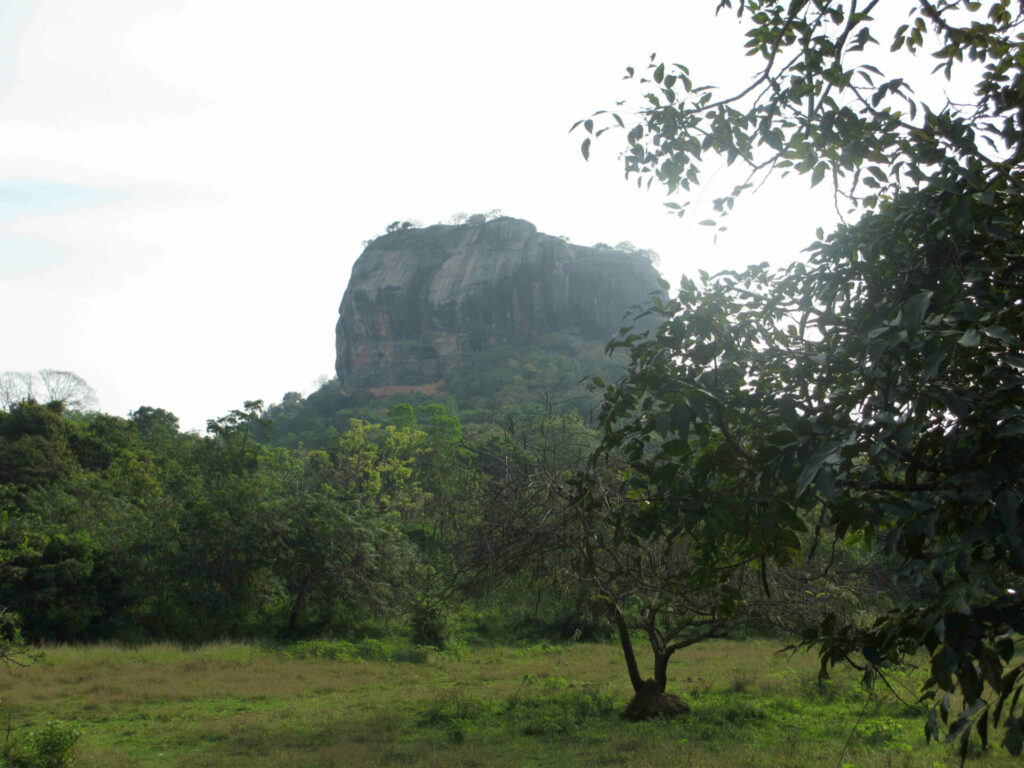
x=1000, y=333
x=933, y=359
x=818, y=174
x=971, y=338
x=675, y=447
x=999, y=232
x=810, y=470
x=962, y=216
x=825, y=484
x=878, y=173
x=914, y=310
x=585, y=148
x=1014, y=740
x=795, y=6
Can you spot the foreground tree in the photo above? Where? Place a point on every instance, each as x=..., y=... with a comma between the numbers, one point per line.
x=873, y=393
x=595, y=532
x=673, y=590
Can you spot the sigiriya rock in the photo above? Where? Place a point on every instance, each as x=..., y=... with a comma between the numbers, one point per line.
x=420, y=300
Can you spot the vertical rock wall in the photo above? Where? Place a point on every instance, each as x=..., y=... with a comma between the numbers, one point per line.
x=420, y=300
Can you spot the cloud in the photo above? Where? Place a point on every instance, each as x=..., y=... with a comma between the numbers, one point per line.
x=71, y=64
x=21, y=198
x=22, y=256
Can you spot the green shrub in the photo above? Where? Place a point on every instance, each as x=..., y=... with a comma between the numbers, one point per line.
x=430, y=627
x=372, y=649
x=53, y=746
x=880, y=731
x=322, y=649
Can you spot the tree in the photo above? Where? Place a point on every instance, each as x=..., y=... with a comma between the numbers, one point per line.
x=65, y=387
x=673, y=589
x=687, y=535
x=546, y=515
x=874, y=392
x=397, y=226
x=341, y=556
x=75, y=491
x=15, y=387
x=13, y=649
x=151, y=421
x=474, y=219
x=227, y=529
x=238, y=434
x=34, y=450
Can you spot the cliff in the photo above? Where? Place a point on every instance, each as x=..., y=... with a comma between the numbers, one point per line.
x=420, y=300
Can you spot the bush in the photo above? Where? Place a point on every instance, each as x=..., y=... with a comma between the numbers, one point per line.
x=51, y=747
x=372, y=649
x=430, y=628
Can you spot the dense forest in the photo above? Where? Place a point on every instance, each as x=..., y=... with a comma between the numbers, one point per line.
x=129, y=529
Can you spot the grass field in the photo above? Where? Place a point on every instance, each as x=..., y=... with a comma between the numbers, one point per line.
x=242, y=705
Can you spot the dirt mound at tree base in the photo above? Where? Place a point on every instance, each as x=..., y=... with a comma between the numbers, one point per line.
x=650, y=702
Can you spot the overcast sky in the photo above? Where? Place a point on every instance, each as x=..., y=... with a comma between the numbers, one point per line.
x=185, y=184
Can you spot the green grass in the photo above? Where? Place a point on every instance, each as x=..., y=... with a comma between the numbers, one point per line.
x=329, y=704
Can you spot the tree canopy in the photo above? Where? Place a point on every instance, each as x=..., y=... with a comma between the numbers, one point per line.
x=872, y=393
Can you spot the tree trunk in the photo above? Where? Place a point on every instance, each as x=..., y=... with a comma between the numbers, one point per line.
x=650, y=699
x=627, y=650
x=661, y=669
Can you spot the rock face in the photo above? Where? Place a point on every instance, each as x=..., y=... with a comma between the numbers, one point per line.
x=420, y=300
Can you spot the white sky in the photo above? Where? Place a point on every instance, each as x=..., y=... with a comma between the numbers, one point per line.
x=185, y=184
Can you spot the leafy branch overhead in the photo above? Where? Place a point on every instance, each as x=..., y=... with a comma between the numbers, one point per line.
x=819, y=105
